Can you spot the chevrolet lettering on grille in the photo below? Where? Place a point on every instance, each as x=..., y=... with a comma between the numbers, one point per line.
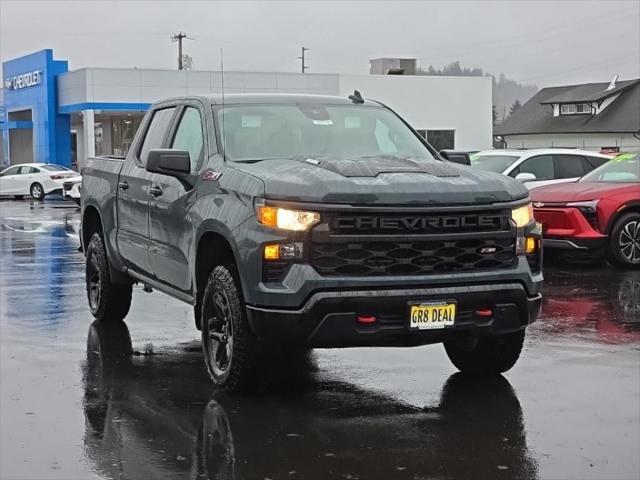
x=415, y=223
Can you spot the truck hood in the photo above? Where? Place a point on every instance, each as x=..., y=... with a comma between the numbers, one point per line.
x=381, y=181
x=574, y=192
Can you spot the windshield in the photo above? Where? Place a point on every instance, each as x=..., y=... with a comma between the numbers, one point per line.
x=622, y=169
x=493, y=163
x=262, y=132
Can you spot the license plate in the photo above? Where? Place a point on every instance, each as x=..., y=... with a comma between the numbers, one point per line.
x=430, y=315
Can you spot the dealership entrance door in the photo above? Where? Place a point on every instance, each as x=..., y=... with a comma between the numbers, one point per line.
x=20, y=136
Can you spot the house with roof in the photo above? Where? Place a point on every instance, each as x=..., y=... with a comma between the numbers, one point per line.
x=602, y=117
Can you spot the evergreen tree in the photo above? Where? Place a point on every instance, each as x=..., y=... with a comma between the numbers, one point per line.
x=515, y=107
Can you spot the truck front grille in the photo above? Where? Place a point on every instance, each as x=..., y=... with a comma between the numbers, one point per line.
x=412, y=258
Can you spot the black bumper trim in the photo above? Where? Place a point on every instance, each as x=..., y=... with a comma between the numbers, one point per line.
x=577, y=244
x=328, y=319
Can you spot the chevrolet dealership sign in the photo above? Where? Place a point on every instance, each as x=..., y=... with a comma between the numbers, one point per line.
x=24, y=80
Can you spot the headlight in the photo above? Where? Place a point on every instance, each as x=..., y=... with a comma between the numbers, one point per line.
x=294, y=220
x=590, y=206
x=523, y=215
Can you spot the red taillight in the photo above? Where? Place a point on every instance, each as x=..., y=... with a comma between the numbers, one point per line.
x=57, y=177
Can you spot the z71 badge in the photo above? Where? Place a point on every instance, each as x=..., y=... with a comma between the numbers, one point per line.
x=211, y=175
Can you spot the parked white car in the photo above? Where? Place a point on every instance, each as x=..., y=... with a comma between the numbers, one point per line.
x=35, y=179
x=539, y=167
x=72, y=187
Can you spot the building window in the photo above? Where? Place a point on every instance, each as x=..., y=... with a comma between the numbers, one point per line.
x=441, y=139
x=123, y=129
x=575, y=108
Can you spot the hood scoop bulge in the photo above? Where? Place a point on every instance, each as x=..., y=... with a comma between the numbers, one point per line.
x=372, y=167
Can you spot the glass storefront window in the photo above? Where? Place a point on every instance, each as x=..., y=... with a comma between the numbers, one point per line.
x=123, y=129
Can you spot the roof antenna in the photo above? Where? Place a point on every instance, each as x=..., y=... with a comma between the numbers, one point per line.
x=612, y=85
x=224, y=132
x=356, y=97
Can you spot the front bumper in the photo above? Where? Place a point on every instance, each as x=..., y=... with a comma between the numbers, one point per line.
x=329, y=319
x=566, y=228
x=72, y=191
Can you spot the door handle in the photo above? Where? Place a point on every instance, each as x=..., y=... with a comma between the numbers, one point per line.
x=123, y=185
x=155, y=190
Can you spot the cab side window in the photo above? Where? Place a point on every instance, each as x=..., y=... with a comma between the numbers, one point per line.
x=569, y=166
x=156, y=132
x=189, y=136
x=541, y=166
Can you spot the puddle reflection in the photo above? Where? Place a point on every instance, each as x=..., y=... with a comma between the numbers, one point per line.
x=158, y=417
x=604, y=302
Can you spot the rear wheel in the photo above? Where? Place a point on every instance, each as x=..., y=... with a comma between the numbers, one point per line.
x=37, y=191
x=229, y=347
x=107, y=301
x=624, y=241
x=486, y=355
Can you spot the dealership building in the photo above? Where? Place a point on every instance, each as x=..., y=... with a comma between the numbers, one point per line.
x=51, y=114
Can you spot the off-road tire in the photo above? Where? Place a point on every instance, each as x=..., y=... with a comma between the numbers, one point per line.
x=37, y=191
x=486, y=355
x=619, y=233
x=239, y=372
x=108, y=302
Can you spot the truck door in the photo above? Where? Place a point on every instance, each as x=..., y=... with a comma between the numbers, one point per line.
x=171, y=233
x=134, y=195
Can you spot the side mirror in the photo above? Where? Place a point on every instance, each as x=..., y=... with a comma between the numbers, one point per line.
x=456, y=157
x=525, y=177
x=174, y=163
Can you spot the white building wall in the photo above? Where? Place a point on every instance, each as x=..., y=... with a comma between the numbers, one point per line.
x=112, y=85
x=462, y=104
x=594, y=141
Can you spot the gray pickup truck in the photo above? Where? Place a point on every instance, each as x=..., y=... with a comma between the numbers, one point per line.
x=291, y=222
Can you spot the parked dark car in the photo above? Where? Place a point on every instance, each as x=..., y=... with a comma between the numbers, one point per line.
x=309, y=221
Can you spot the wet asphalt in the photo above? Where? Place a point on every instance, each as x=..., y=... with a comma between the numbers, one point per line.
x=74, y=404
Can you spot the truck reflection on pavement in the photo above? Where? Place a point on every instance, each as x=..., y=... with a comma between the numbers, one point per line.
x=154, y=417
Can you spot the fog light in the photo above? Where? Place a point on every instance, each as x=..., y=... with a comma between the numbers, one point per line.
x=272, y=252
x=283, y=251
x=531, y=245
x=366, y=319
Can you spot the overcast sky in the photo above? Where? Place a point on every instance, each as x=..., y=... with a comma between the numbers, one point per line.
x=541, y=42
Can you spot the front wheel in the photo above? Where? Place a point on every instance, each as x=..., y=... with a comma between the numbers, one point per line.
x=228, y=345
x=486, y=355
x=37, y=191
x=624, y=241
x=108, y=301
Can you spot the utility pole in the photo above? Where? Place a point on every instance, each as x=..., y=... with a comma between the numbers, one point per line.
x=304, y=67
x=178, y=37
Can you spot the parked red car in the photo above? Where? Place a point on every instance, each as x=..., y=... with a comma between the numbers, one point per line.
x=599, y=212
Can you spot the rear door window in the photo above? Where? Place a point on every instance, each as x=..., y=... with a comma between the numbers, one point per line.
x=569, y=166
x=594, y=162
x=156, y=132
x=541, y=166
